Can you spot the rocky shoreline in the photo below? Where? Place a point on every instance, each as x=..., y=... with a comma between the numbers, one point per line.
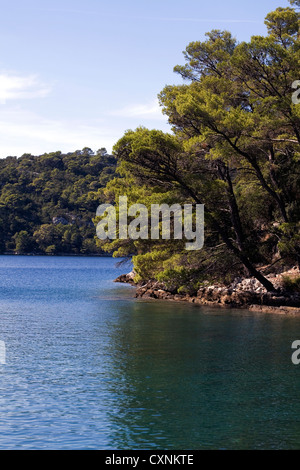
x=242, y=293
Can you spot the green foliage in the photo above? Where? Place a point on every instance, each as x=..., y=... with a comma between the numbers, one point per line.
x=24, y=242
x=291, y=284
x=36, y=192
x=289, y=244
x=283, y=24
x=182, y=280
x=235, y=148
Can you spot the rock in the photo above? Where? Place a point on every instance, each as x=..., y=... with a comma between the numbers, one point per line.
x=277, y=310
x=178, y=297
x=59, y=220
x=126, y=278
x=240, y=294
x=226, y=300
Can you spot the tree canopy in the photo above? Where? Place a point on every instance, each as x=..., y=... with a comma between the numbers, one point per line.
x=47, y=202
x=235, y=147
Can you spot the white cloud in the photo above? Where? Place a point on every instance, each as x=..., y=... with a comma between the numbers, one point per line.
x=14, y=87
x=149, y=110
x=22, y=132
x=27, y=129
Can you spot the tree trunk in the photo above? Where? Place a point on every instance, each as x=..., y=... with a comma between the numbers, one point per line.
x=239, y=253
x=224, y=172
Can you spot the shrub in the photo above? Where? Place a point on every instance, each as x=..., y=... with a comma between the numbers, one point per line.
x=291, y=284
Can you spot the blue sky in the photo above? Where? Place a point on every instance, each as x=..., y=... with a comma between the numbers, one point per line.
x=77, y=73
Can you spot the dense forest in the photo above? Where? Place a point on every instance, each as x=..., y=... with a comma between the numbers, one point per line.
x=47, y=202
x=235, y=148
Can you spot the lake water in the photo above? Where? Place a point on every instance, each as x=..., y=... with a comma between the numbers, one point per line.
x=90, y=367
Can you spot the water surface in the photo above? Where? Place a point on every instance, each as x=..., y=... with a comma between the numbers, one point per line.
x=90, y=367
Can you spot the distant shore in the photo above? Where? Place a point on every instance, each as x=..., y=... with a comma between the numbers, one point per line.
x=99, y=255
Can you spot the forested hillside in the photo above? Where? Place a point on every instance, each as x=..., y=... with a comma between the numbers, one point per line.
x=47, y=202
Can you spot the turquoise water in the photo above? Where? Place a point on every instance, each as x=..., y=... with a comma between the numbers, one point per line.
x=90, y=367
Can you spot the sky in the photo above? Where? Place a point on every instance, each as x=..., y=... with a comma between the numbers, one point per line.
x=79, y=73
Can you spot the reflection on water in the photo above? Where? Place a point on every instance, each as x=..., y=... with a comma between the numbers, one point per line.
x=90, y=367
x=189, y=380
